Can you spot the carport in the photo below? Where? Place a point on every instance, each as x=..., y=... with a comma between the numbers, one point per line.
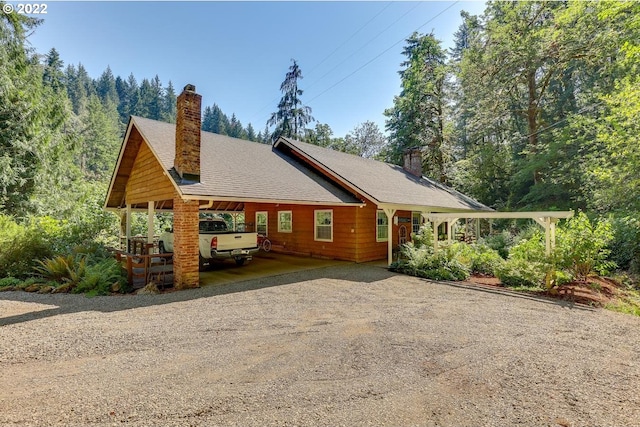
x=546, y=219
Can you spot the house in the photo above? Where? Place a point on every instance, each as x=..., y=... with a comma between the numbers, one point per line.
x=307, y=199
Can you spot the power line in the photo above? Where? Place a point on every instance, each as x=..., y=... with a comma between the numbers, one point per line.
x=333, y=52
x=380, y=54
x=349, y=39
x=365, y=45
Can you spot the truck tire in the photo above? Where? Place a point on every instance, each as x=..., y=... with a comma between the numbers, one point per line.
x=240, y=261
x=202, y=262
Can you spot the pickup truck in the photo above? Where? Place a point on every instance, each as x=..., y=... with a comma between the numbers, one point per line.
x=217, y=242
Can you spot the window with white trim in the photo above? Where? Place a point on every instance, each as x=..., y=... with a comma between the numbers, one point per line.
x=323, y=225
x=382, y=226
x=262, y=221
x=285, y=222
x=416, y=222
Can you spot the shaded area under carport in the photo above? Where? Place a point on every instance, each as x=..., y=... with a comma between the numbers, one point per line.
x=263, y=265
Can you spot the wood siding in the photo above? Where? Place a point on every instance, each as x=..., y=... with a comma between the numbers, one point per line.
x=147, y=181
x=354, y=231
x=302, y=238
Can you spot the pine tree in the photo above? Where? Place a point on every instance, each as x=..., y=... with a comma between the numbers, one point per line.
x=292, y=117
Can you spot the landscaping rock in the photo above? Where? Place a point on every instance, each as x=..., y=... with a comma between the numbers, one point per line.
x=32, y=288
x=66, y=288
x=150, y=289
x=45, y=289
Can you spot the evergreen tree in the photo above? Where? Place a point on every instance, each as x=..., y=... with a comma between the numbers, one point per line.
x=417, y=118
x=79, y=87
x=169, y=104
x=251, y=133
x=235, y=128
x=214, y=120
x=31, y=115
x=292, y=117
x=106, y=88
x=53, y=75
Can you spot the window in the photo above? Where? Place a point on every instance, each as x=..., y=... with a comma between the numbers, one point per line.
x=261, y=222
x=285, y=221
x=324, y=225
x=382, y=227
x=416, y=222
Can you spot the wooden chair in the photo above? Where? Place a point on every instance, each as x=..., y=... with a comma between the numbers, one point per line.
x=137, y=270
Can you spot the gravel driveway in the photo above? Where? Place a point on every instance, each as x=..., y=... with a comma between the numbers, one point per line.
x=352, y=345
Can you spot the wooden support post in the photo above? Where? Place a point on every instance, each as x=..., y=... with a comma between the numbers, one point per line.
x=389, y=213
x=151, y=214
x=128, y=228
x=436, y=225
x=450, y=224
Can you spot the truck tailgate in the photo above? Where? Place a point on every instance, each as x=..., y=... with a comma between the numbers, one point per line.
x=231, y=241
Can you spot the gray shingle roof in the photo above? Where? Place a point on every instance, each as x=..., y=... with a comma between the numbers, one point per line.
x=385, y=183
x=236, y=169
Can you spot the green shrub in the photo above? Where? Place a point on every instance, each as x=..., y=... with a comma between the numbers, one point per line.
x=582, y=247
x=20, y=248
x=518, y=272
x=9, y=281
x=527, y=265
x=100, y=278
x=500, y=242
x=63, y=269
x=423, y=262
x=485, y=260
x=625, y=245
x=530, y=247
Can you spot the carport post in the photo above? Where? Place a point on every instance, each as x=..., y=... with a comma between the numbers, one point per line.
x=151, y=214
x=128, y=227
x=389, y=213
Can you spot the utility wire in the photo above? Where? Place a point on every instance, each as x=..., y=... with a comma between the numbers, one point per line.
x=365, y=45
x=380, y=54
x=333, y=52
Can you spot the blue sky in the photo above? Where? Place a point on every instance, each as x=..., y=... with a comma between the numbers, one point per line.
x=237, y=53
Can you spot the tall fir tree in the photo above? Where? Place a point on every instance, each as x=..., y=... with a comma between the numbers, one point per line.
x=292, y=116
x=417, y=118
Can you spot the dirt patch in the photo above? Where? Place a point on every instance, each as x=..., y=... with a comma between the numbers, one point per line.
x=594, y=291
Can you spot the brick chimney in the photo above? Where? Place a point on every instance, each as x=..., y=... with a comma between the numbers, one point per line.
x=413, y=161
x=188, y=122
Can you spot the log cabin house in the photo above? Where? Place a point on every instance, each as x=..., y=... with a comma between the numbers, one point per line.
x=307, y=199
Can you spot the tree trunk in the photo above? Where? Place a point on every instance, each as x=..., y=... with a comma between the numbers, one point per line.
x=532, y=116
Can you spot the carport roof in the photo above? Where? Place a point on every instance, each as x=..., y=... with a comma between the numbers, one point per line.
x=236, y=169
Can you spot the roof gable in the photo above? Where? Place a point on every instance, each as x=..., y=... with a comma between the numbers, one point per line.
x=384, y=183
x=231, y=169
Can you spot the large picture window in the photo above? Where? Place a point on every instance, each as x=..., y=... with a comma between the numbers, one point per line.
x=285, y=221
x=324, y=225
x=382, y=227
x=262, y=221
